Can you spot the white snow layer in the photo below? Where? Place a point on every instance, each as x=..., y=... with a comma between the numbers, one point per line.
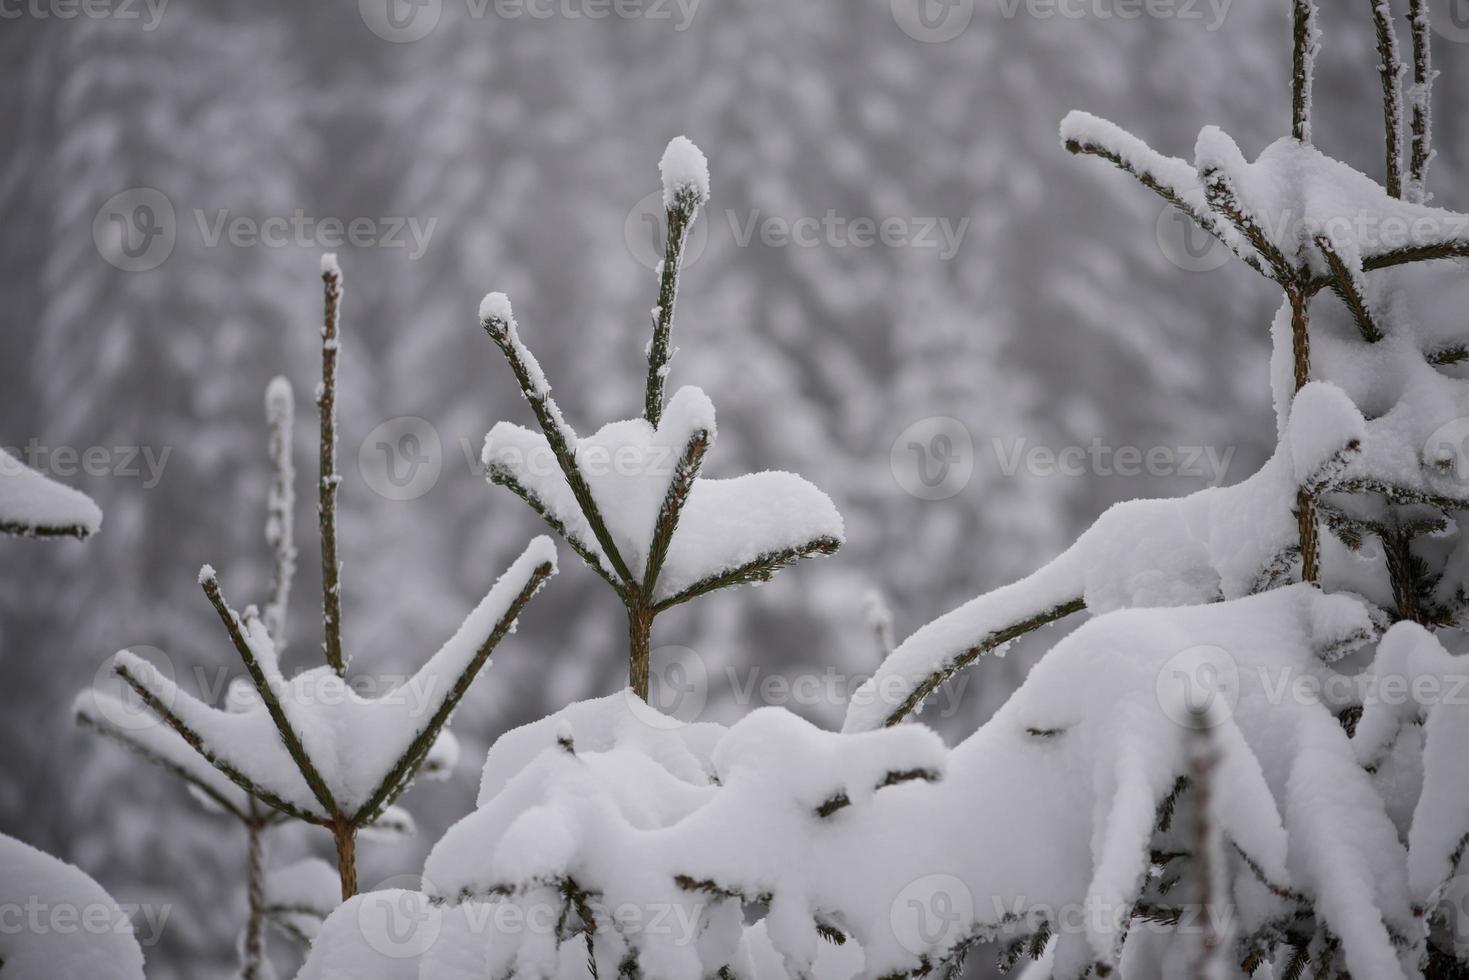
x=629, y=467
x=1049, y=807
x=1221, y=542
x=32, y=504
x=61, y=925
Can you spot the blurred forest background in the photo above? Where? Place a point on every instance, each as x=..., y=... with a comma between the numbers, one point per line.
x=531, y=142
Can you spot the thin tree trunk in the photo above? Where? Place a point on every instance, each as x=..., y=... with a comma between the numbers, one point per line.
x=255, y=925
x=639, y=638
x=346, y=837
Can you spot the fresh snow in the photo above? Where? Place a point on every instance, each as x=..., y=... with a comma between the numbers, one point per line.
x=629, y=466
x=1061, y=787
x=1221, y=542
x=354, y=742
x=94, y=940
x=32, y=504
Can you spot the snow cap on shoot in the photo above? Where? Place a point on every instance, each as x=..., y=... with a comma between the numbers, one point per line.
x=685, y=171
x=496, y=306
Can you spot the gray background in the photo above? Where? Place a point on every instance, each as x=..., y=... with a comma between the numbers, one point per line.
x=531, y=141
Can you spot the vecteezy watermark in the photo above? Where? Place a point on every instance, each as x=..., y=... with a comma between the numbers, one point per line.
x=1100, y=459
x=933, y=21
x=35, y=916
x=136, y=230
x=1198, y=687
x=300, y=230
x=936, y=21
x=145, y=463
x=1449, y=920
x=150, y=12
x=402, y=458
x=405, y=21
x=1450, y=19
x=1094, y=915
x=399, y=920
x=837, y=231
x=645, y=230
x=933, y=459
x=115, y=702
x=1186, y=245
x=1210, y=13
x=1447, y=451
x=931, y=913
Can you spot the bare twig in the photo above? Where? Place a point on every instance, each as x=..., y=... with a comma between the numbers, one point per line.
x=326, y=400
x=1390, y=69
x=280, y=524
x=268, y=696
x=504, y=333
x=1305, y=37
x=680, y=217
x=1347, y=283
x=1421, y=101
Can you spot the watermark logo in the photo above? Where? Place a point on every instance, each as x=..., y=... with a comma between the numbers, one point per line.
x=401, y=21
x=150, y=12
x=1450, y=920
x=678, y=689
x=1450, y=19
x=1187, y=246
x=117, y=704
x=34, y=916
x=135, y=230
x=933, y=459
x=1447, y=451
x=933, y=21
x=402, y=458
x=934, y=912
x=1198, y=687
x=645, y=231
x=397, y=918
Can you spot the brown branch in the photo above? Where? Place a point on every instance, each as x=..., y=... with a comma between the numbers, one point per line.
x=23, y=529
x=326, y=401
x=1422, y=100
x=1223, y=198
x=1345, y=283
x=273, y=706
x=254, y=945
x=967, y=657
x=759, y=570
x=680, y=217
x=1303, y=55
x=196, y=742
x=686, y=471
x=1204, y=219
x=402, y=772
x=503, y=477
x=548, y=417
x=1390, y=69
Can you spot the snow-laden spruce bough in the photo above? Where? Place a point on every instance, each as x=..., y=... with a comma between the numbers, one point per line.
x=1248, y=761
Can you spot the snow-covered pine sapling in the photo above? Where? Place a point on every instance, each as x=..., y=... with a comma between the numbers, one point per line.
x=310, y=747
x=628, y=499
x=165, y=748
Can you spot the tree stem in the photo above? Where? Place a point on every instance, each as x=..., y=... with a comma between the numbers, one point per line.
x=346, y=837
x=255, y=926
x=331, y=585
x=639, y=638
x=1305, y=502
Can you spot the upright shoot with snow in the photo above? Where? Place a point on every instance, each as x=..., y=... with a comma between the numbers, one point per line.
x=310, y=747
x=629, y=499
